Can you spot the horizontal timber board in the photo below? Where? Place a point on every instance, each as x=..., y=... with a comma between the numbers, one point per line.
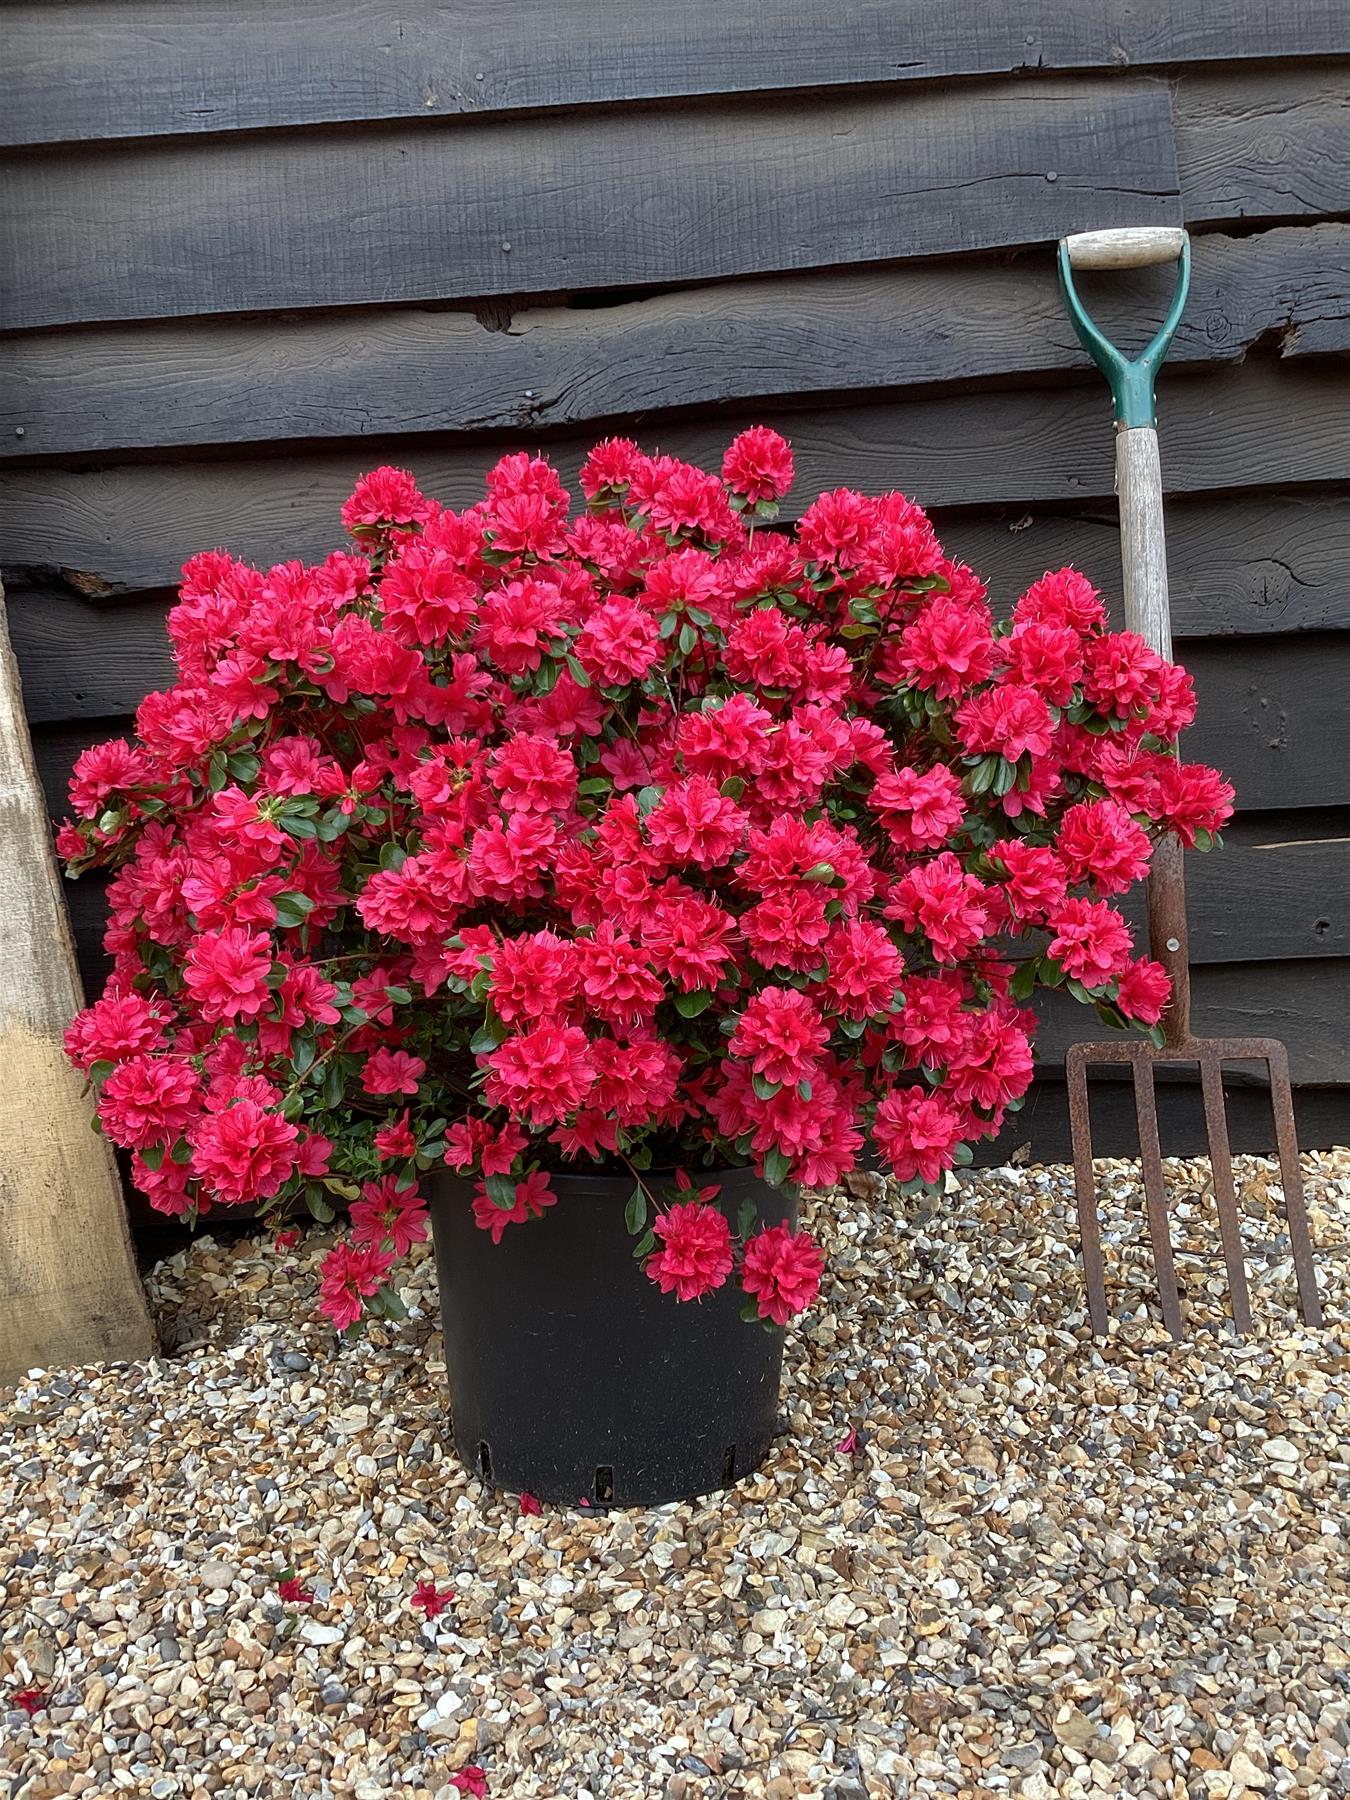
x=131, y=525
x=598, y=200
x=1272, y=712
x=369, y=371
x=1238, y=566
x=1279, y=889
x=1271, y=143
x=1321, y=1114
x=1301, y=1004
x=125, y=68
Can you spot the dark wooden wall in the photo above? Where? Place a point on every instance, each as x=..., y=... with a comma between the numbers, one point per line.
x=250, y=251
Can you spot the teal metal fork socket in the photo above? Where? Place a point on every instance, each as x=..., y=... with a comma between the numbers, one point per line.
x=1131, y=380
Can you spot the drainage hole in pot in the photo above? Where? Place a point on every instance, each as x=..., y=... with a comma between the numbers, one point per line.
x=485, y=1461
x=604, y=1483
x=729, y=1465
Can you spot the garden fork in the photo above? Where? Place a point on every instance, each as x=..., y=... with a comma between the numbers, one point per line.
x=1144, y=569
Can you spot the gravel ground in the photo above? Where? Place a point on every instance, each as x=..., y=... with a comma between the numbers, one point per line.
x=1049, y=1567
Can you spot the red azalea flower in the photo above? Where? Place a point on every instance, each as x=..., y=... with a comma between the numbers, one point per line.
x=350, y=1275
x=430, y=1599
x=696, y=1254
x=529, y=1506
x=782, y=1271
x=470, y=1780
x=848, y=1444
x=31, y=1699
x=286, y=1238
x=293, y=1591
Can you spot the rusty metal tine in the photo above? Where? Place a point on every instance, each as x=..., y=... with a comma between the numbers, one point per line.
x=1155, y=1191
x=1084, y=1187
x=1291, y=1179
x=1225, y=1198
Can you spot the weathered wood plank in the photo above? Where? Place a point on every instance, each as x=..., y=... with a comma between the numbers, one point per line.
x=131, y=525
x=599, y=200
x=129, y=67
x=69, y=1292
x=1278, y=890
x=1300, y=1003
x=1263, y=144
x=1269, y=714
x=1273, y=716
x=370, y=371
x=1322, y=1115
x=79, y=660
x=1239, y=567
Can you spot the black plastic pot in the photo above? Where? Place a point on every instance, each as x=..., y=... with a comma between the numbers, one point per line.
x=573, y=1377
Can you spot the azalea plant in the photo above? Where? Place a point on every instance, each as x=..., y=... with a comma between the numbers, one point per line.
x=653, y=838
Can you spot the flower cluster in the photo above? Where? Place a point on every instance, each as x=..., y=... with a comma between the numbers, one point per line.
x=650, y=836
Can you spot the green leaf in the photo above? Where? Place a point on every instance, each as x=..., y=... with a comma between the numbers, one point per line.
x=1005, y=776
x=392, y=855
x=982, y=775
x=777, y=1167
x=153, y=1156
x=765, y=1089
x=386, y=1301
x=635, y=1213
x=821, y=871
x=217, y=772
x=501, y=1190
x=689, y=1006
x=649, y=798
x=576, y=671
x=181, y=1153
x=334, y=1086
x=293, y=909
x=318, y=1207
x=243, y=765
x=101, y=1070
x=645, y=1245
x=745, y=1218
x=487, y=1037
x=296, y=825
x=688, y=640
x=1023, y=984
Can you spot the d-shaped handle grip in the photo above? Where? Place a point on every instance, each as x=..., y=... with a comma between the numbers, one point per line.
x=1131, y=380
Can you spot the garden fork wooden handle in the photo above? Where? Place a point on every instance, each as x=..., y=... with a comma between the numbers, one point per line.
x=1143, y=544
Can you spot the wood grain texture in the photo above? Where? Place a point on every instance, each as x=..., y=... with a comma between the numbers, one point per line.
x=1322, y=1115
x=372, y=371
x=1273, y=717
x=69, y=1291
x=123, y=68
x=1300, y=1003
x=1278, y=890
x=1239, y=566
x=131, y=525
x=1272, y=143
x=585, y=200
